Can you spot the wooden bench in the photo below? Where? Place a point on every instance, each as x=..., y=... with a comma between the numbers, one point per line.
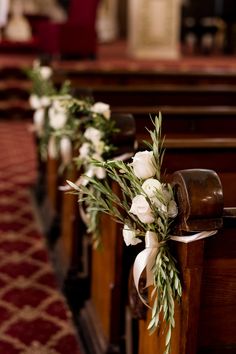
x=205, y=318
x=73, y=245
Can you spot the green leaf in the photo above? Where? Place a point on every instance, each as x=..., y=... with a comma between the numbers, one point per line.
x=73, y=185
x=168, y=336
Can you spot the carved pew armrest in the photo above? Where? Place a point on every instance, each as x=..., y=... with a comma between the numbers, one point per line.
x=199, y=197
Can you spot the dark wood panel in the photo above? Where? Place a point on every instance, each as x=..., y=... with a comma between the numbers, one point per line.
x=219, y=274
x=217, y=326
x=96, y=76
x=166, y=95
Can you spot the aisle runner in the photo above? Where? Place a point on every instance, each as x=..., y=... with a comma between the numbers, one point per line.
x=34, y=318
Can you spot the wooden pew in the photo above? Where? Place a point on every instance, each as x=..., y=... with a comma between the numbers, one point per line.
x=198, y=107
x=198, y=137
x=73, y=247
x=143, y=74
x=186, y=120
x=172, y=95
x=101, y=320
x=190, y=98
x=212, y=153
x=205, y=318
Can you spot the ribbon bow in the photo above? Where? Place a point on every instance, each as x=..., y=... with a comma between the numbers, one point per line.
x=146, y=259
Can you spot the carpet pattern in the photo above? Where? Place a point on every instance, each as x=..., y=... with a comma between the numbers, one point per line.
x=34, y=317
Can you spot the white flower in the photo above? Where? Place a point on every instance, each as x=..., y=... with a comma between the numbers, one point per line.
x=35, y=101
x=151, y=186
x=97, y=171
x=66, y=150
x=38, y=118
x=52, y=148
x=57, y=105
x=45, y=101
x=130, y=236
x=96, y=156
x=57, y=120
x=92, y=134
x=142, y=210
x=159, y=204
x=45, y=72
x=57, y=116
x=144, y=164
x=84, y=150
x=101, y=108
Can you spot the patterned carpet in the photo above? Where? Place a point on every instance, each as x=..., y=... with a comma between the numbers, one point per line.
x=34, y=317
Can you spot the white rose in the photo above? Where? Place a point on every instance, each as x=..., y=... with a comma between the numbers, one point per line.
x=101, y=108
x=142, y=210
x=57, y=105
x=97, y=157
x=159, y=204
x=90, y=171
x=144, y=164
x=45, y=72
x=45, y=101
x=52, y=148
x=38, y=118
x=99, y=172
x=130, y=236
x=66, y=150
x=57, y=119
x=84, y=150
x=151, y=186
x=93, y=134
x=35, y=101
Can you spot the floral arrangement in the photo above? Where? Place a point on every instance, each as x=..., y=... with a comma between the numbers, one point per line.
x=63, y=123
x=147, y=209
x=50, y=115
x=93, y=142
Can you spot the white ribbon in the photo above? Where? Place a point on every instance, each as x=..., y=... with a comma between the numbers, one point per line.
x=39, y=118
x=146, y=258
x=195, y=237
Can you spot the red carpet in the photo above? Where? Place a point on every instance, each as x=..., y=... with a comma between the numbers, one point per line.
x=34, y=318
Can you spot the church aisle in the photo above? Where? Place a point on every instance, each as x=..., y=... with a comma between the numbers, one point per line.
x=34, y=317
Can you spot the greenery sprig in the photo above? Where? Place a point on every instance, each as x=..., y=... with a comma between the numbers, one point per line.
x=146, y=205
x=94, y=141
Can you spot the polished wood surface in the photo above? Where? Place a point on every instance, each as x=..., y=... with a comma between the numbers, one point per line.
x=69, y=214
x=53, y=182
x=103, y=316
x=205, y=319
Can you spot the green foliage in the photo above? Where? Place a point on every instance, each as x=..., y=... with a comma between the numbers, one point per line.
x=167, y=287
